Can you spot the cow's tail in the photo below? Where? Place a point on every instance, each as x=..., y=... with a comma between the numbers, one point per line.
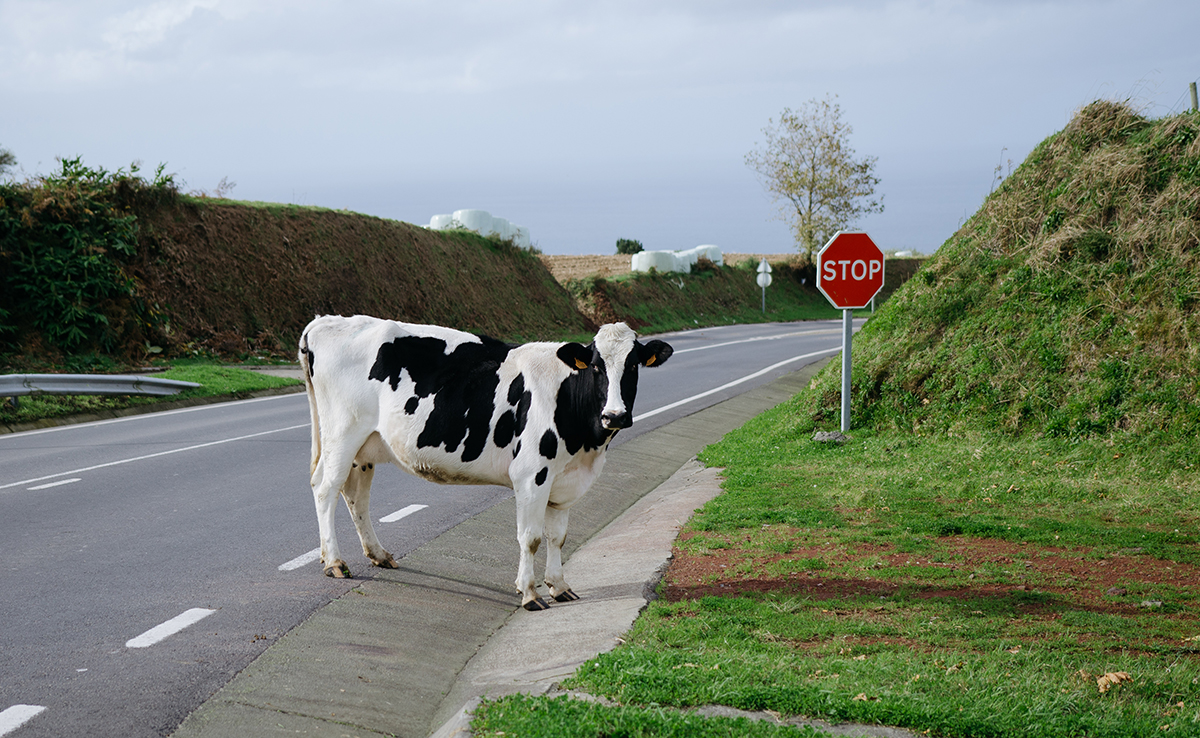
x=306, y=366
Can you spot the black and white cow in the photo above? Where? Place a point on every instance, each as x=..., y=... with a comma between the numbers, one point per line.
x=457, y=408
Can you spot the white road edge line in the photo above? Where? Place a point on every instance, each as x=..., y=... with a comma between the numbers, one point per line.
x=734, y=383
x=151, y=456
x=755, y=339
x=59, y=483
x=402, y=513
x=16, y=716
x=169, y=628
x=301, y=560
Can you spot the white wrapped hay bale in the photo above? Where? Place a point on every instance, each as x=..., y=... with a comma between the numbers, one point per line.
x=441, y=222
x=663, y=261
x=479, y=221
x=502, y=228
x=713, y=253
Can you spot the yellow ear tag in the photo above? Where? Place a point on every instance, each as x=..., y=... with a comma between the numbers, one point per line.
x=580, y=364
x=651, y=360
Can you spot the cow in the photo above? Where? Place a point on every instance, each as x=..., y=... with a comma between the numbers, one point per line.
x=460, y=408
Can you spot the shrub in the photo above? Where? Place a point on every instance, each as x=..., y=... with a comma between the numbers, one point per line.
x=628, y=246
x=65, y=241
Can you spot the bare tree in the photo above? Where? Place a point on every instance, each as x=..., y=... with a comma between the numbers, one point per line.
x=810, y=169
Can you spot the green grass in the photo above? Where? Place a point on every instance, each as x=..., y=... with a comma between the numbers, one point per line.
x=928, y=640
x=852, y=590
x=216, y=381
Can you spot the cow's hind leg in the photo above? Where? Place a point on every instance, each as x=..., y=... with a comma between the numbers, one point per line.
x=357, y=493
x=556, y=536
x=329, y=476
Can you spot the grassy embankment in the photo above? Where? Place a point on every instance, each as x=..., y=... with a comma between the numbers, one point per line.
x=1009, y=544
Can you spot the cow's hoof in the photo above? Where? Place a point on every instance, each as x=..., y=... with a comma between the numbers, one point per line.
x=387, y=562
x=338, y=570
x=566, y=596
x=535, y=604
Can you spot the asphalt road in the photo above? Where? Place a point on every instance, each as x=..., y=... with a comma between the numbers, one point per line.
x=113, y=531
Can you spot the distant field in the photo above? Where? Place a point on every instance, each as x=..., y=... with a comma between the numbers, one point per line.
x=572, y=266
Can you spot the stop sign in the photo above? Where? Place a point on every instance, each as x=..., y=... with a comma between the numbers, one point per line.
x=850, y=270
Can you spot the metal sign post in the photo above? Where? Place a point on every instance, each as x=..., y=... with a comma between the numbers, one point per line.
x=847, y=333
x=849, y=274
x=764, y=281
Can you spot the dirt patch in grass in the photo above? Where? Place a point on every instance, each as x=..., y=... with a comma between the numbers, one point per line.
x=1075, y=577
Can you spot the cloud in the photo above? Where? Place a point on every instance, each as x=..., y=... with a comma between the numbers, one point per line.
x=145, y=27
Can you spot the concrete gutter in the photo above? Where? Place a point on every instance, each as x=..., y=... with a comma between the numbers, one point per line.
x=408, y=649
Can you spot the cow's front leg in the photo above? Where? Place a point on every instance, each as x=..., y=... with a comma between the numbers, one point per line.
x=531, y=515
x=556, y=536
x=357, y=493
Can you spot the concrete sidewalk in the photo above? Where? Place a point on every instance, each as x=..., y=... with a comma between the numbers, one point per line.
x=406, y=650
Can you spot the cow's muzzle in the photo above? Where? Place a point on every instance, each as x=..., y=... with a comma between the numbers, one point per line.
x=616, y=421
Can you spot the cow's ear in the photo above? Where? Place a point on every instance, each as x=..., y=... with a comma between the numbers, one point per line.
x=575, y=355
x=653, y=353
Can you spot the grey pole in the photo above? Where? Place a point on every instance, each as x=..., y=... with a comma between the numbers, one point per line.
x=847, y=329
x=1192, y=89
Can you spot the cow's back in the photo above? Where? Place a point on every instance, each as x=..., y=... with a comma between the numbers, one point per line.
x=428, y=392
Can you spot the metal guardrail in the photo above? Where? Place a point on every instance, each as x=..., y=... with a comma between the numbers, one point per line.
x=17, y=385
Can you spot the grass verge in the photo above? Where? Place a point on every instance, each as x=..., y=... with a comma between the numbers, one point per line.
x=965, y=585
x=216, y=381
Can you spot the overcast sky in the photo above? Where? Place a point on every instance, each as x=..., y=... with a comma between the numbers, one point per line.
x=583, y=121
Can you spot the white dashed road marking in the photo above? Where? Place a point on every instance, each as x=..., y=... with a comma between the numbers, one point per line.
x=171, y=627
x=315, y=554
x=16, y=716
x=301, y=560
x=59, y=483
x=402, y=513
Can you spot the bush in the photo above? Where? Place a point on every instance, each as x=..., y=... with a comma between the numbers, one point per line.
x=65, y=242
x=628, y=246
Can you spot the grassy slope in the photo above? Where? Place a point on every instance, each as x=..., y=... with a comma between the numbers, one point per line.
x=235, y=277
x=1016, y=518
x=1066, y=305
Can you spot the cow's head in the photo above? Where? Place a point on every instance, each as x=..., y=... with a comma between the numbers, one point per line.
x=604, y=381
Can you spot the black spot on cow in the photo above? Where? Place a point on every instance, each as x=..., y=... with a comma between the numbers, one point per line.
x=541, y=476
x=548, y=446
x=517, y=450
x=463, y=384
x=505, y=426
x=516, y=389
x=410, y=407
x=522, y=411
x=309, y=357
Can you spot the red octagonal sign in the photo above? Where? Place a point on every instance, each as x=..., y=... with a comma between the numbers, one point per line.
x=850, y=270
